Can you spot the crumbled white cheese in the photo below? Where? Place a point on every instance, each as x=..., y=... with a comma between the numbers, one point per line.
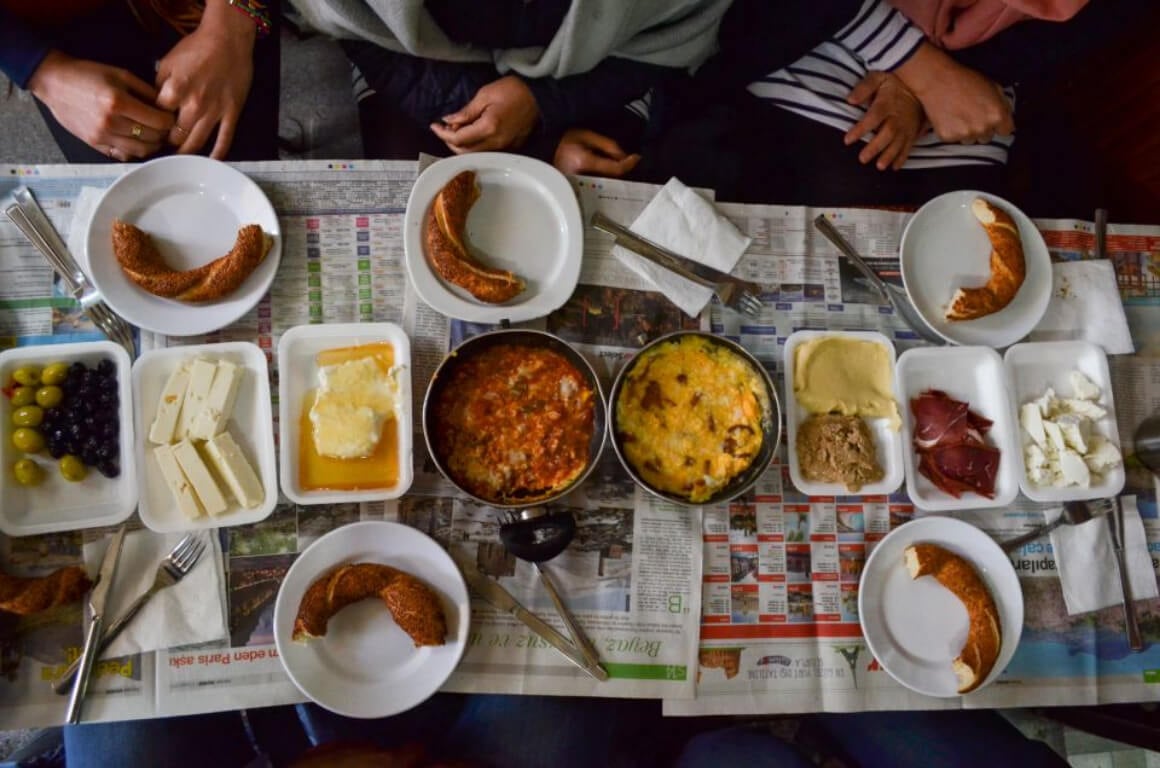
x=1102, y=455
x=1083, y=387
x=1085, y=408
x=1073, y=470
x=1031, y=419
x=1061, y=448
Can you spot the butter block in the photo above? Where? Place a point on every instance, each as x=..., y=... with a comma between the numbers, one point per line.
x=201, y=375
x=231, y=466
x=178, y=484
x=352, y=403
x=219, y=403
x=169, y=405
x=199, y=476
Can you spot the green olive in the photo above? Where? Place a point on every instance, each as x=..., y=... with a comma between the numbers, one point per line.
x=28, y=472
x=49, y=397
x=28, y=440
x=72, y=468
x=54, y=373
x=28, y=416
x=22, y=396
x=28, y=375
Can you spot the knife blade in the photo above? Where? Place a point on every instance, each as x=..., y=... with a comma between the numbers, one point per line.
x=1116, y=529
x=494, y=593
x=97, y=599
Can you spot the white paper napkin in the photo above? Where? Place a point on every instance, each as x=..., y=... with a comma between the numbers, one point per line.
x=83, y=208
x=684, y=222
x=191, y=611
x=1087, y=562
x=1085, y=305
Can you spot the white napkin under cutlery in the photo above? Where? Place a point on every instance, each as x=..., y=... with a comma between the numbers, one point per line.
x=1085, y=305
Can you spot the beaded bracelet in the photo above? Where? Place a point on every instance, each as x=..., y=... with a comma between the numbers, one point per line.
x=257, y=11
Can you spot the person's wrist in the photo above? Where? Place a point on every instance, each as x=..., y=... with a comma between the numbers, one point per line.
x=921, y=71
x=230, y=20
x=41, y=80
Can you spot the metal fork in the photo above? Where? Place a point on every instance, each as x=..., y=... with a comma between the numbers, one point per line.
x=1074, y=513
x=31, y=220
x=176, y=565
x=735, y=293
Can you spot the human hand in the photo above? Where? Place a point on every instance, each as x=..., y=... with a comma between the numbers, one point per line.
x=895, y=118
x=108, y=108
x=584, y=151
x=501, y=115
x=206, y=78
x=962, y=105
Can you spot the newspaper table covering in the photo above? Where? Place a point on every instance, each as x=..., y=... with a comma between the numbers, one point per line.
x=780, y=570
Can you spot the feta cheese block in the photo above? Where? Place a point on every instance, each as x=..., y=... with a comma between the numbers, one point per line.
x=230, y=463
x=1082, y=387
x=1031, y=419
x=176, y=481
x=169, y=405
x=353, y=401
x=198, y=474
x=219, y=403
x=201, y=375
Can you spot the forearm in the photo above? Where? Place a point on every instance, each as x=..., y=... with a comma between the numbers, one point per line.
x=22, y=49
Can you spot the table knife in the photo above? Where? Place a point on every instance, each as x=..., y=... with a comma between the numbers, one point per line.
x=97, y=599
x=1116, y=528
x=491, y=591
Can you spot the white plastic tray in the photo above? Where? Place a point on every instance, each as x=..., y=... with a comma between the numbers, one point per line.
x=1035, y=366
x=252, y=425
x=887, y=442
x=56, y=504
x=976, y=376
x=298, y=374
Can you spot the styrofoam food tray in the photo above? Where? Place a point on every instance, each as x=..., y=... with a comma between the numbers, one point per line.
x=887, y=442
x=298, y=374
x=56, y=504
x=976, y=376
x=252, y=426
x=1035, y=366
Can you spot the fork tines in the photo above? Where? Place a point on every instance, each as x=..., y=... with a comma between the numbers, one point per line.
x=187, y=552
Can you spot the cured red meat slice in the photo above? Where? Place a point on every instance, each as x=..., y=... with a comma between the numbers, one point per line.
x=971, y=465
x=948, y=438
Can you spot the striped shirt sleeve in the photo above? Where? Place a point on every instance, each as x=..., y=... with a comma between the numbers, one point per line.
x=880, y=36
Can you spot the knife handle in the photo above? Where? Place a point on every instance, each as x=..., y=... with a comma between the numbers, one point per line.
x=64, y=682
x=88, y=658
x=831, y=233
x=1135, y=640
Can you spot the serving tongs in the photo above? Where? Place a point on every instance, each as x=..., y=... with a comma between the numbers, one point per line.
x=31, y=220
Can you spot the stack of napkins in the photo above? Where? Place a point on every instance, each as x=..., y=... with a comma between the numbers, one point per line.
x=1086, y=306
x=190, y=612
x=687, y=224
x=1087, y=562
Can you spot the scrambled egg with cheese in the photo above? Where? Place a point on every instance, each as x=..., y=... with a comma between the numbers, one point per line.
x=354, y=399
x=840, y=374
x=691, y=416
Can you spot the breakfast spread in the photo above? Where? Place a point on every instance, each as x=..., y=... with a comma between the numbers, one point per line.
x=1061, y=447
x=985, y=634
x=27, y=596
x=846, y=375
x=413, y=605
x=949, y=441
x=445, y=239
x=833, y=448
x=142, y=263
x=349, y=423
x=72, y=412
x=1008, y=268
x=514, y=423
x=691, y=416
x=194, y=450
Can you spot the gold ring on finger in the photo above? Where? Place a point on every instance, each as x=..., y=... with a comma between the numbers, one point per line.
x=135, y=132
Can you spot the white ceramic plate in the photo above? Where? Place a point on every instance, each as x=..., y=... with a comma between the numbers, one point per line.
x=251, y=425
x=192, y=207
x=945, y=248
x=976, y=376
x=56, y=504
x=916, y=627
x=887, y=442
x=365, y=666
x=298, y=375
x=1035, y=366
x=526, y=220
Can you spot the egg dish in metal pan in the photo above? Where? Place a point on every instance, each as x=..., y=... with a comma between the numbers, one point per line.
x=692, y=415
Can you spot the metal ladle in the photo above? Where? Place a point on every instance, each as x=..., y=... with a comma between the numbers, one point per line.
x=1147, y=442
x=536, y=535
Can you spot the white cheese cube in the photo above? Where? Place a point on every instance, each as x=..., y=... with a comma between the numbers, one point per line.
x=1036, y=465
x=1085, y=408
x=169, y=405
x=178, y=484
x=1082, y=387
x=231, y=466
x=199, y=477
x=1031, y=419
x=1046, y=403
x=1076, y=431
x=200, y=382
x=219, y=403
x=1102, y=455
x=1055, y=443
x=1073, y=469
